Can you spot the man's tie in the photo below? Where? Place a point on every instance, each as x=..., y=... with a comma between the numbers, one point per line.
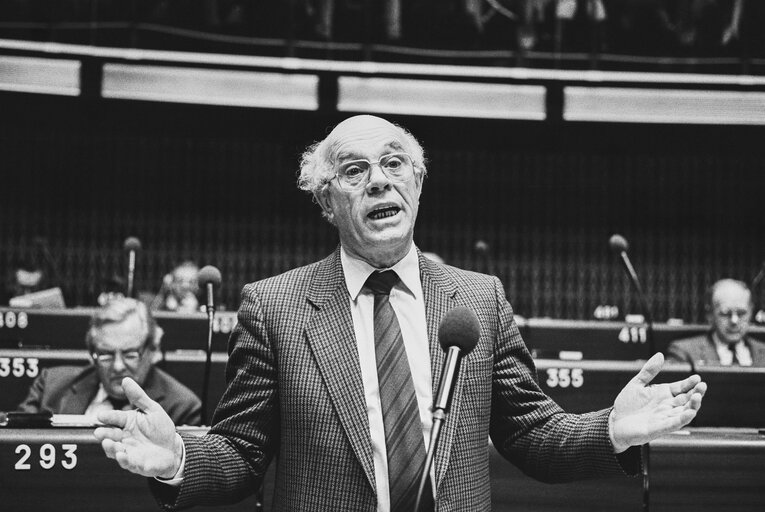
x=401, y=416
x=734, y=360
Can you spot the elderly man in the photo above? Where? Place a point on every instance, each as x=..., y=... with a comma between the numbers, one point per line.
x=334, y=366
x=123, y=340
x=729, y=310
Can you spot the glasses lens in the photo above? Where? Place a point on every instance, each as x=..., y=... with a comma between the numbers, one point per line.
x=396, y=166
x=128, y=356
x=353, y=174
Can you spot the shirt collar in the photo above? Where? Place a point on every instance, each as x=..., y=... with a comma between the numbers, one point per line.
x=723, y=344
x=356, y=272
x=101, y=395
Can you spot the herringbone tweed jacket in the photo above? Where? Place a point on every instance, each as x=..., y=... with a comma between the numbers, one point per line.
x=295, y=391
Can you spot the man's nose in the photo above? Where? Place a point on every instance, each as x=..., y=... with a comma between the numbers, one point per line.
x=377, y=178
x=119, y=364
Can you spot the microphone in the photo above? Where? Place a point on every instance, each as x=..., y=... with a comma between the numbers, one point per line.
x=458, y=335
x=209, y=278
x=482, y=249
x=619, y=245
x=132, y=245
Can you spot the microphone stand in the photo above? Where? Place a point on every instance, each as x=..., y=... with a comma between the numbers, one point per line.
x=644, y=449
x=439, y=416
x=641, y=298
x=208, y=355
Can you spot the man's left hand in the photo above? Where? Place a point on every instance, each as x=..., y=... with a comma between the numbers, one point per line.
x=644, y=411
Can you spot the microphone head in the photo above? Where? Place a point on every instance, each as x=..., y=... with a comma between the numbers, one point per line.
x=459, y=328
x=481, y=247
x=618, y=243
x=132, y=244
x=209, y=274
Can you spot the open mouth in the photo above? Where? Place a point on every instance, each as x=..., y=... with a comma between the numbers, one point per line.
x=383, y=213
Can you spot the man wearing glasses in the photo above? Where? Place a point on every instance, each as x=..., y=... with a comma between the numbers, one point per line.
x=332, y=368
x=123, y=341
x=729, y=310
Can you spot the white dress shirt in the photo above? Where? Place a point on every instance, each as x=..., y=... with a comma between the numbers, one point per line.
x=409, y=306
x=99, y=403
x=743, y=355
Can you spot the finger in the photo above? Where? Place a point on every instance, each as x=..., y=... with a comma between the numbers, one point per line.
x=114, y=434
x=137, y=396
x=685, y=385
x=113, y=418
x=111, y=448
x=695, y=401
x=650, y=369
x=701, y=389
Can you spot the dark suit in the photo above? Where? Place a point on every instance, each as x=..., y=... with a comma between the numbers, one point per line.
x=70, y=389
x=295, y=390
x=700, y=351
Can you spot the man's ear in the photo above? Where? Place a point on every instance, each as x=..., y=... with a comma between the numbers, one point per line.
x=324, y=198
x=419, y=177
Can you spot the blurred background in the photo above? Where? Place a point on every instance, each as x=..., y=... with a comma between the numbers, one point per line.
x=548, y=125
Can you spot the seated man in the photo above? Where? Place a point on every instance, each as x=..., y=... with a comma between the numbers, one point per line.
x=180, y=290
x=123, y=341
x=729, y=309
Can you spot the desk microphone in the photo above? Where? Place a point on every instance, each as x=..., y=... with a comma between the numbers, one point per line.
x=132, y=245
x=482, y=249
x=619, y=245
x=458, y=335
x=209, y=278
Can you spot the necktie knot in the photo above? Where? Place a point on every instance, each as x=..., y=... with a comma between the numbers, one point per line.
x=734, y=359
x=380, y=283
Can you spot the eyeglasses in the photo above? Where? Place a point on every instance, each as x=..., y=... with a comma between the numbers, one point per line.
x=354, y=174
x=130, y=356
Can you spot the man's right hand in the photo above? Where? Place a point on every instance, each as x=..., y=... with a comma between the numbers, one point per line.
x=142, y=441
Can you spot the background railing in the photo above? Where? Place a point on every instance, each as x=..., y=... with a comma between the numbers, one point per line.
x=720, y=36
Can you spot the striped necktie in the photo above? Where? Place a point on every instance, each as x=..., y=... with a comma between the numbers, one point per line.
x=401, y=416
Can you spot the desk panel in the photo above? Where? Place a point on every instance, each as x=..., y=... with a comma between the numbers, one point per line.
x=65, y=469
x=733, y=398
x=696, y=470
x=66, y=328
x=703, y=469
x=547, y=338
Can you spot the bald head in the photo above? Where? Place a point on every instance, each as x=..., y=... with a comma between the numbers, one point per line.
x=317, y=163
x=729, y=309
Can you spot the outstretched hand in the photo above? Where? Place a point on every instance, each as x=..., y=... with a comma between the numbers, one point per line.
x=644, y=411
x=142, y=441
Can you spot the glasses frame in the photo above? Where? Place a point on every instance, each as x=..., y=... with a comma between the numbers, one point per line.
x=108, y=358
x=365, y=179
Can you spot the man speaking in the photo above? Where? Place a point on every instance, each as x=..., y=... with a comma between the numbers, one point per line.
x=333, y=368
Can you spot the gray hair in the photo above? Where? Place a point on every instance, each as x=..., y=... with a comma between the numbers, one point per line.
x=116, y=311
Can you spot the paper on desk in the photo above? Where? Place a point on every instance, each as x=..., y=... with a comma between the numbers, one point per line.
x=73, y=420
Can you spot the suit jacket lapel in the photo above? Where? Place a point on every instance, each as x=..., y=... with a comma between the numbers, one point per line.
x=77, y=399
x=439, y=295
x=332, y=340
